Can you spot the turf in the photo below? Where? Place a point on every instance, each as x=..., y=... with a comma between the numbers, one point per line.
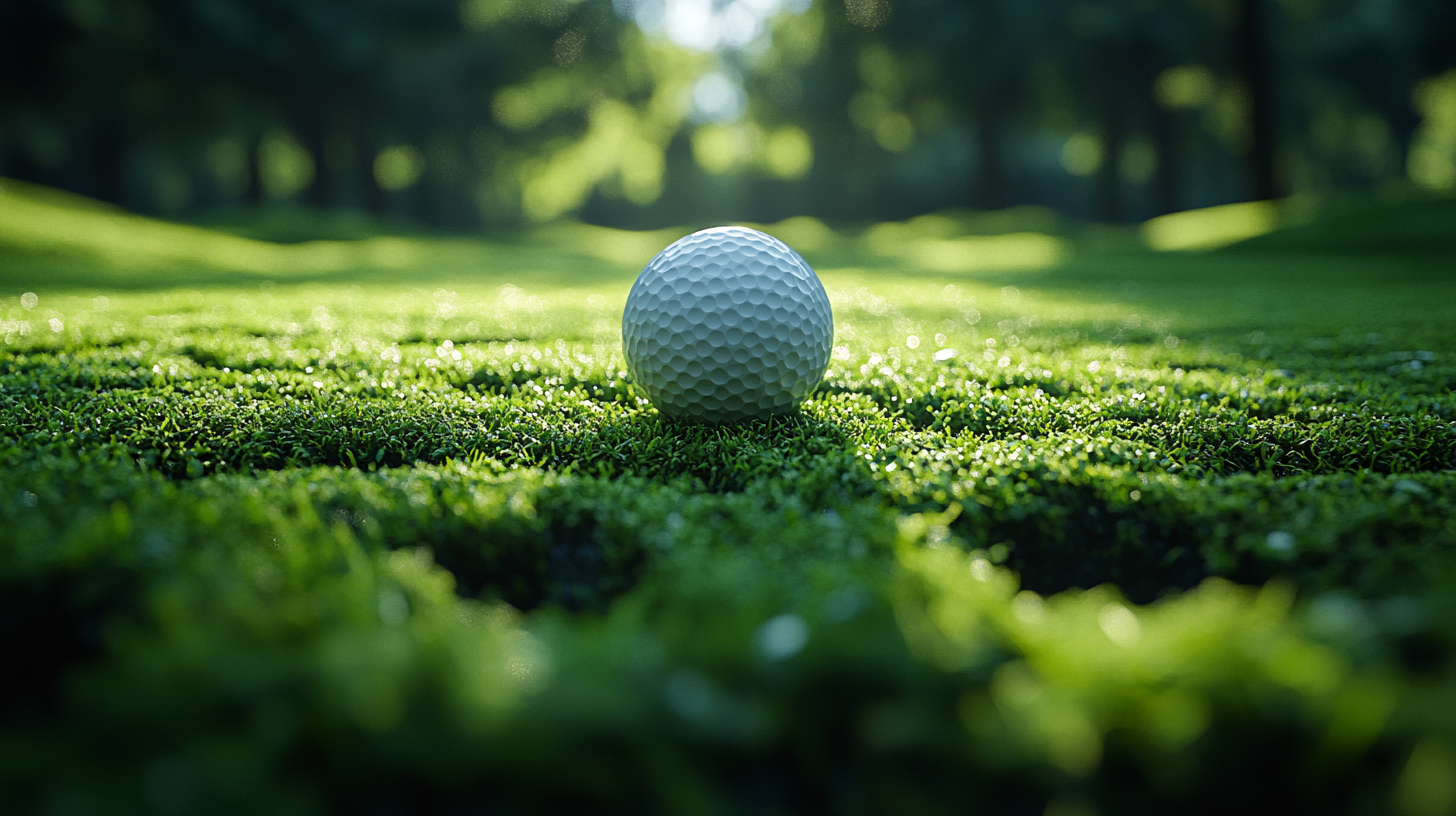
x=378, y=524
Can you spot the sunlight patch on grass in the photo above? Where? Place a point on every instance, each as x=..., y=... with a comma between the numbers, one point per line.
x=804, y=233
x=616, y=246
x=973, y=253
x=1211, y=227
x=39, y=220
x=966, y=253
x=124, y=241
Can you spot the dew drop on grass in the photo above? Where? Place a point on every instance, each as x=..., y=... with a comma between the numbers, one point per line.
x=981, y=569
x=1028, y=607
x=1119, y=624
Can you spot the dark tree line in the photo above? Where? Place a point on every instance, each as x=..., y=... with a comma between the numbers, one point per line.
x=909, y=105
x=88, y=86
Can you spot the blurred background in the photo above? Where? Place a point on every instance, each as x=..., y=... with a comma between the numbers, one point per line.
x=464, y=114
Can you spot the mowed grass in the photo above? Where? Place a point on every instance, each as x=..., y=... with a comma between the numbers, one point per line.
x=378, y=524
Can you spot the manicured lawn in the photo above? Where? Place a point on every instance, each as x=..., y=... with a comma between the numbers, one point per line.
x=379, y=525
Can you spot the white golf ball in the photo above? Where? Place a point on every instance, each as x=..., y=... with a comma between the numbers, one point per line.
x=727, y=324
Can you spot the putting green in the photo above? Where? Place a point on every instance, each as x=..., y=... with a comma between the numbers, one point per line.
x=327, y=524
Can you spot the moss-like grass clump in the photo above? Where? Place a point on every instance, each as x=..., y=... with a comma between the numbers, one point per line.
x=380, y=525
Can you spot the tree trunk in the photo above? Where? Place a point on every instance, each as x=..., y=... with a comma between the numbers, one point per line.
x=320, y=192
x=1252, y=45
x=108, y=159
x=19, y=164
x=253, y=193
x=428, y=206
x=374, y=195
x=1109, y=173
x=991, y=157
x=1168, y=176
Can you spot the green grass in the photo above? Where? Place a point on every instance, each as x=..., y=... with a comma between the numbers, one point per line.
x=378, y=524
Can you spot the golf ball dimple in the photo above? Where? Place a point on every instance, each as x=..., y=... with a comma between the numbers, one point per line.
x=726, y=324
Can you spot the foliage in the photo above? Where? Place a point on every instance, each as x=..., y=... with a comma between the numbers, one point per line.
x=458, y=113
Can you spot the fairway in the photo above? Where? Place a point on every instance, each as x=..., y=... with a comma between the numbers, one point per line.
x=379, y=524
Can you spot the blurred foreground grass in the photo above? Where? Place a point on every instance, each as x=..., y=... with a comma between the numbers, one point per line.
x=377, y=524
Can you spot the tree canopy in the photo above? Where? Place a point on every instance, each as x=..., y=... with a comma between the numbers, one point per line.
x=649, y=112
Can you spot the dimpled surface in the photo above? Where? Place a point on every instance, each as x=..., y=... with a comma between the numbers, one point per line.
x=727, y=324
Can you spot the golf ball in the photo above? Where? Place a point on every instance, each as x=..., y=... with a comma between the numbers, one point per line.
x=727, y=324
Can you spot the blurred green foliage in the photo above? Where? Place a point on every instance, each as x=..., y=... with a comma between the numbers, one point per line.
x=645, y=113
x=377, y=523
